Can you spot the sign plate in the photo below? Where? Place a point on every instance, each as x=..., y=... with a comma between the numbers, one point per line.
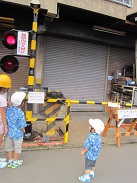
x=36, y=97
x=131, y=113
x=22, y=43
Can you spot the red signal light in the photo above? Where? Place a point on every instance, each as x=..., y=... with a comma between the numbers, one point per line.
x=9, y=64
x=9, y=39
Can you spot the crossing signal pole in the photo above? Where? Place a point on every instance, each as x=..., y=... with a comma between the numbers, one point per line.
x=35, y=5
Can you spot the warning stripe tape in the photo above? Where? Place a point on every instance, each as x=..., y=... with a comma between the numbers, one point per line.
x=51, y=124
x=51, y=111
x=58, y=100
x=126, y=134
x=76, y=101
x=67, y=116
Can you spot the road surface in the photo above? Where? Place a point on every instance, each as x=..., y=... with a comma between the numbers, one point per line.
x=114, y=165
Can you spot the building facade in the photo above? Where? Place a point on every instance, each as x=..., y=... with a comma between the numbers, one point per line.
x=80, y=44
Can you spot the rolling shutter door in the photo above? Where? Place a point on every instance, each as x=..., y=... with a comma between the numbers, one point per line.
x=119, y=58
x=77, y=69
x=20, y=77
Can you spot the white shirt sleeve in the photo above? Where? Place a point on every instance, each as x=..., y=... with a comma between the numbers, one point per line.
x=3, y=102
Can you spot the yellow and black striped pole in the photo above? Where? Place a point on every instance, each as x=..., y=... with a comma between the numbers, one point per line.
x=32, y=56
x=67, y=119
x=33, y=49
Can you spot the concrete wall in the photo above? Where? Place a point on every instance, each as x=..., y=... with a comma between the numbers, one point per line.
x=100, y=6
x=133, y=9
x=23, y=2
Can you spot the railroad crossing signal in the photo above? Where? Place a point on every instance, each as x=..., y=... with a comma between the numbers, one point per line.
x=14, y=39
x=9, y=39
x=9, y=64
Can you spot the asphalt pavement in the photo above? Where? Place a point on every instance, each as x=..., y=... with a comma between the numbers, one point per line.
x=65, y=165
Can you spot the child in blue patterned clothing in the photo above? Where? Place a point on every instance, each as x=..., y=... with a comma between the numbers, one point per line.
x=92, y=148
x=16, y=127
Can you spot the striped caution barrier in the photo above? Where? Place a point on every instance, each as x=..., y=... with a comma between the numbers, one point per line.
x=126, y=134
x=51, y=110
x=87, y=102
x=76, y=101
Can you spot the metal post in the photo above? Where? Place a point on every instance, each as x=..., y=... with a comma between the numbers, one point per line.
x=35, y=5
x=67, y=119
x=136, y=58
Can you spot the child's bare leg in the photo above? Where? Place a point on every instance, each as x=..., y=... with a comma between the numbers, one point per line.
x=17, y=148
x=2, y=159
x=10, y=155
x=87, y=171
x=1, y=137
x=16, y=156
x=86, y=177
x=10, y=161
x=93, y=168
x=90, y=172
x=16, y=161
x=90, y=167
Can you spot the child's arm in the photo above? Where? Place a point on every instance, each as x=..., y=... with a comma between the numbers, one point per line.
x=22, y=120
x=23, y=129
x=84, y=151
x=3, y=117
x=9, y=104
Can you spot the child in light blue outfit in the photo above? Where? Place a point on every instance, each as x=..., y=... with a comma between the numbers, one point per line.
x=92, y=148
x=16, y=128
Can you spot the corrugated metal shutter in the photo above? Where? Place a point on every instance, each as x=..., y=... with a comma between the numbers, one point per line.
x=119, y=58
x=77, y=69
x=20, y=77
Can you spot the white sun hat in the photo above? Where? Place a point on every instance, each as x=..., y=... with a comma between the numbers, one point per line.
x=97, y=124
x=17, y=98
